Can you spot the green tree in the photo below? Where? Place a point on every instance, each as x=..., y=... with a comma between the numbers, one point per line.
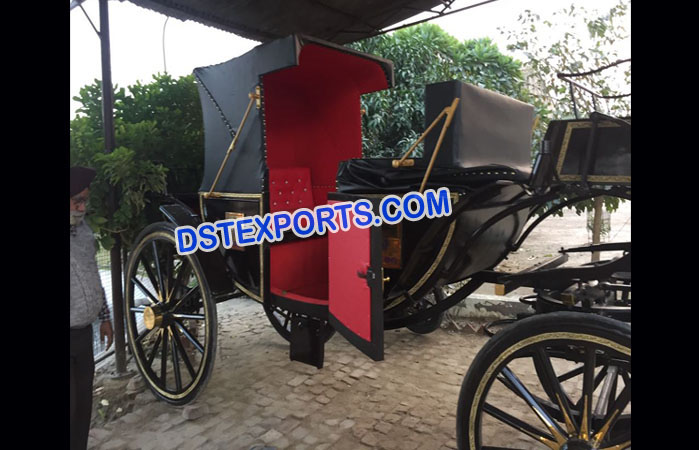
x=159, y=138
x=422, y=55
x=575, y=40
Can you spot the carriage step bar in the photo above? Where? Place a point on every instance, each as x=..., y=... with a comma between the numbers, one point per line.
x=512, y=284
x=607, y=247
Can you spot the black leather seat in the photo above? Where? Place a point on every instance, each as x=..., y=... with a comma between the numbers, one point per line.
x=379, y=176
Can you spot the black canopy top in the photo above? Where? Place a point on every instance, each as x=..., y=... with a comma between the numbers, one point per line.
x=338, y=21
x=306, y=84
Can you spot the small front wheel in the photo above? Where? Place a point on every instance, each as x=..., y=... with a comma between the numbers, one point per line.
x=170, y=316
x=560, y=380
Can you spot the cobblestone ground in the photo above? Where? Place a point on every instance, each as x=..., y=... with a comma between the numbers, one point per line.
x=257, y=396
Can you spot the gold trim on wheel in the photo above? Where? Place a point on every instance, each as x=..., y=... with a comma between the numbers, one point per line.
x=207, y=321
x=473, y=413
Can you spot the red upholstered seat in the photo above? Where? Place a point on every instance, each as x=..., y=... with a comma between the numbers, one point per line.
x=290, y=189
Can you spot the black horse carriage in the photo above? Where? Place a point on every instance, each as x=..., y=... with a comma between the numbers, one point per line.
x=298, y=144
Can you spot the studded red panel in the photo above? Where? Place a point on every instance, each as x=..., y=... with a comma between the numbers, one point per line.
x=290, y=189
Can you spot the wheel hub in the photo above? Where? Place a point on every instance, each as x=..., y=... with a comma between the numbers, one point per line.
x=153, y=316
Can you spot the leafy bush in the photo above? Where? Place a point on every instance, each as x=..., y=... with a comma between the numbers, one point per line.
x=159, y=138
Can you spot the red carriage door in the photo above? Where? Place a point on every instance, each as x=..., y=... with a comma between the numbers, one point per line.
x=355, y=303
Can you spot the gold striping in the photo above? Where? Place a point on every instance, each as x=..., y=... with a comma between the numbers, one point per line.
x=569, y=422
x=603, y=431
x=207, y=348
x=584, y=432
x=232, y=195
x=433, y=266
x=521, y=344
x=564, y=149
x=247, y=291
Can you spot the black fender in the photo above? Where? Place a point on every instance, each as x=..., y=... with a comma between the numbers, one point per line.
x=220, y=281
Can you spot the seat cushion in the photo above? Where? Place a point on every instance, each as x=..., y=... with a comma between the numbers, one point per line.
x=290, y=189
x=378, y=176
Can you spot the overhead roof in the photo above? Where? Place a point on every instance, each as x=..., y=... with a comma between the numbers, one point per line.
x=338, y=21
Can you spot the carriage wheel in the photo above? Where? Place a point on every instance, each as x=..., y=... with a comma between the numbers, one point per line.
x=431, y=324
x=281, y=321
x=170, y=316
x=580, y=400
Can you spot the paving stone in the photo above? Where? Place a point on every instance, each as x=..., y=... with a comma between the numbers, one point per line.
x=422, y=428
x=135, y=385
x=264, y=401
x=359, y=432
x=344, y=359
x=270, y=422
x=410, y=422
x=194, y=443
x=177, y=420
x=144, y=398
x=256, y=431
x=131, y=418
x=271, y=435
x=451, y=444
x=164, y=417
x=330, y=393
x=213, y=400
x=347, y=424
x=287, y=426
x=280, y=443
x=357, y=373
x=383, y=427
x=299, y=433
x=282, y=413
x=310, y=439
x=322, y=399
x=300, y=413
x=252, y=421
x=370, y=438
x=190, y=429
x=317, y=389
x=99, y=434
x=298, y=380
x=195, y=411
x=243, y=441
x=115, y=444
x=256, y=396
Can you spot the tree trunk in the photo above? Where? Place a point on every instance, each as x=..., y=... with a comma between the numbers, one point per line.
x=597, y=226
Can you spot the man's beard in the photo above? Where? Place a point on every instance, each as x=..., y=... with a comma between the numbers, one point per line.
x=76, y=217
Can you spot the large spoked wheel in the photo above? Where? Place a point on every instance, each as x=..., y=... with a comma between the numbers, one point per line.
x=171, y=316
x=560, y=380
x=431, y=324
x=281, y=318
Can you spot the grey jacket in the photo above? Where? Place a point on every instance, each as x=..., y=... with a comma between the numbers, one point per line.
x=87, y=299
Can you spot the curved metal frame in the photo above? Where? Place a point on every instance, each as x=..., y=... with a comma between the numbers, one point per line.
x=477, y=280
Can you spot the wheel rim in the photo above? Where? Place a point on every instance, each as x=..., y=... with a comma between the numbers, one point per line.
x=170, y=318
x=581, y=398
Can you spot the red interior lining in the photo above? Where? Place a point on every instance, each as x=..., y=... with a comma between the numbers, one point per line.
x=290, y=189
x=312, y=121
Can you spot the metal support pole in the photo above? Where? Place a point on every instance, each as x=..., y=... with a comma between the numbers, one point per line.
x=115, y=253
